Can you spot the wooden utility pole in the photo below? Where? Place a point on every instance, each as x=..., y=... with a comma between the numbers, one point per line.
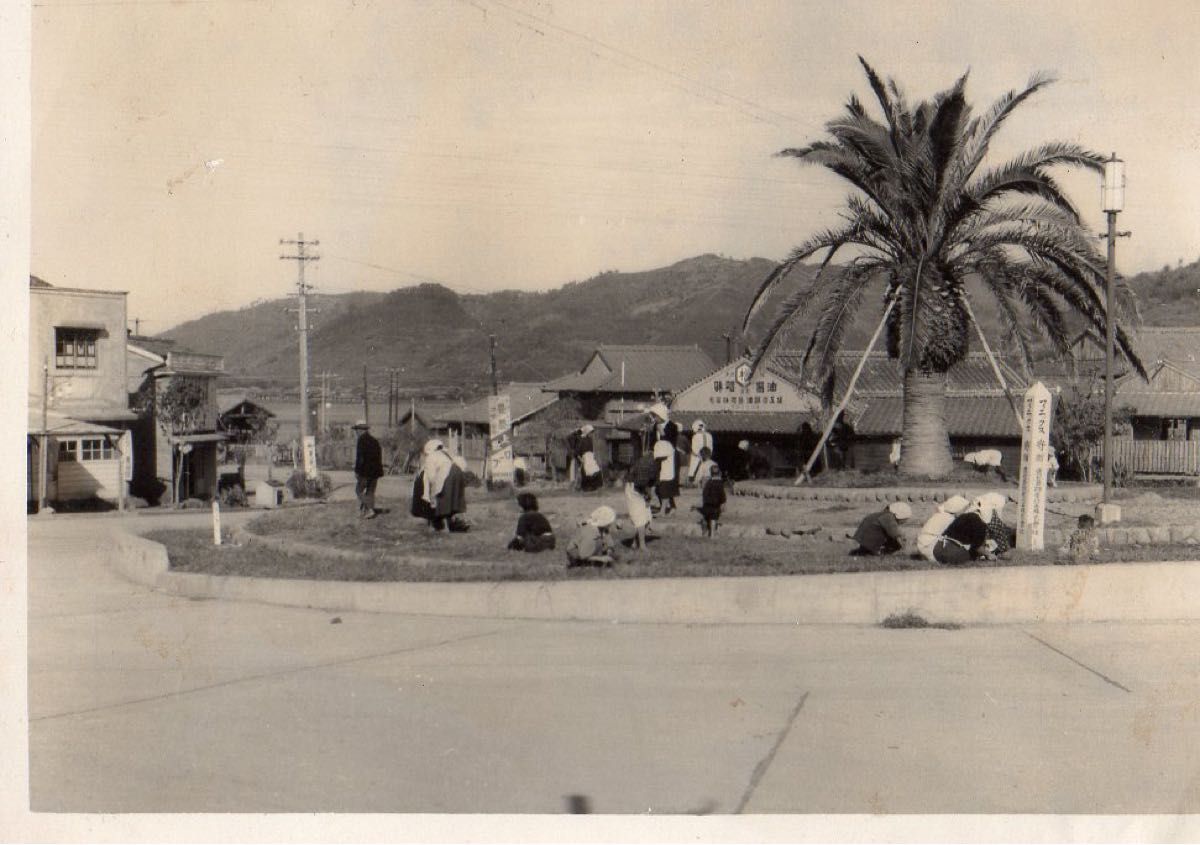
x=45, y=439
x=366, y=401
x=322, y=409
x=302, y=289
x=492, y=355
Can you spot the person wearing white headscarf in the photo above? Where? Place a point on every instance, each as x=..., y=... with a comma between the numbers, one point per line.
x=702, y=441
x=439, y=491
x=1001, y=537
x=986, y=461
x=879, y=533
x=667, y=487
x=966, y=538
x=937, y=524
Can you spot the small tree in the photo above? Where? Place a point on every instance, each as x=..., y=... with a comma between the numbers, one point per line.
x=180, y=409
x=1078, y=426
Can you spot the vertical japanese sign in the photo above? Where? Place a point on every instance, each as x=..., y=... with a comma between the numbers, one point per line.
x=1035, y=461
x=309, y=456
x=500, y=447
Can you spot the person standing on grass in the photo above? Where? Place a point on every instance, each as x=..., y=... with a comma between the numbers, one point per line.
x=879, y=533
x=667, y=487
x=712, y=499
x=701, y=440
x=368, y=469
x=590, y=476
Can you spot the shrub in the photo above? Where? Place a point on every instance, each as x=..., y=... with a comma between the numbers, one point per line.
x=303, y=487
x=233, y=496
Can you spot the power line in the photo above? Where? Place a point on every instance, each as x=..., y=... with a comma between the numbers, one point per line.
x=742, y=104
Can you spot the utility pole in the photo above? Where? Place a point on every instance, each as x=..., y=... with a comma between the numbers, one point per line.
x=1113, y=193
x=302, y=288
x=728, y=347
x=492, y=349
x=322, y=409
x=366, y=401
x=45, y=441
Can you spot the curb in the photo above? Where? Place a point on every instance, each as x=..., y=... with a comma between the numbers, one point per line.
x=1141, y=592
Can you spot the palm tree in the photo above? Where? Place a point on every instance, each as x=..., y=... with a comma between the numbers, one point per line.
x=925, y=218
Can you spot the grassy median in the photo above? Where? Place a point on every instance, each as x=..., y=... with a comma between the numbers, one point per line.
x=400, y=548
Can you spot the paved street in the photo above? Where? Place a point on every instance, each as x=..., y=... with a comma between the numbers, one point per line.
x=143, y=702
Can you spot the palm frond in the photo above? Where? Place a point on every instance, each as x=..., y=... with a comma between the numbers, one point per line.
x=840, y=305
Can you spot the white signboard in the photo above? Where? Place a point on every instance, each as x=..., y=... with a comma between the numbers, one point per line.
x=309, y=456
x=500, y=447
x=1035, y=461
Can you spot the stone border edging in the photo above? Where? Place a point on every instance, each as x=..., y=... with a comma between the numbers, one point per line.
x=864, y=495
x=1007, y=595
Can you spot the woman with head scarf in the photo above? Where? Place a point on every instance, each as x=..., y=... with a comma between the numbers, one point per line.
x=590, y=476
x=879, y=533
x=937, y=524
x=442, y=489
x=966, y=538
x=701, y=440
x=1001, y=536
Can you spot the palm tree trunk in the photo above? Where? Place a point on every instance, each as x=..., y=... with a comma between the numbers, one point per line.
x=925, y=445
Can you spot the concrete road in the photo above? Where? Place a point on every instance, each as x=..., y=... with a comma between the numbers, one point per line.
x=146, y=703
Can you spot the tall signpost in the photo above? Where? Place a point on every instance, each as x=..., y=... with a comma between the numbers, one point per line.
x=1035, y=461
x=500, y=445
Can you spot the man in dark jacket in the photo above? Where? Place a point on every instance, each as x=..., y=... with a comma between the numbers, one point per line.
x=368, y=467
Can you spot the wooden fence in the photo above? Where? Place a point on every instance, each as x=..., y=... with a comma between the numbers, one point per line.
x=1157, y=457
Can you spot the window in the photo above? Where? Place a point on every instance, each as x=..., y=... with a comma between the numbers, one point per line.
x=66, y=450
x=95, y=450
x=75, y=349
x=1175, y=429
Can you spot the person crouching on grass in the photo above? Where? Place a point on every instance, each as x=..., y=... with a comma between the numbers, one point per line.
x=712, y=498
x=533, y=533
x=879, y=533
x=593, y=544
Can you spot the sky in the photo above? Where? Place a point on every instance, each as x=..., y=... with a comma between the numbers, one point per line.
x=489, y=144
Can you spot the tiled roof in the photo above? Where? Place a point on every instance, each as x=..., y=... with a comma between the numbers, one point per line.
x=1178, y=344
x=1165, y=404
x=227, y=400
x=527, y=398
x=982, y=416
x=735, y=422
x=881, y=375
x=647, y=369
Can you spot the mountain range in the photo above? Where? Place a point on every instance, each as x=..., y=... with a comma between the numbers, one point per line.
x=438, y=340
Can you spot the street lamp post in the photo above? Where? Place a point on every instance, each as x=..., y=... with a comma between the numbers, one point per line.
x=1114, y=201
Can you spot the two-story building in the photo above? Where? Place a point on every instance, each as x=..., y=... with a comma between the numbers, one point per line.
x=78, y=445
x=175, y=455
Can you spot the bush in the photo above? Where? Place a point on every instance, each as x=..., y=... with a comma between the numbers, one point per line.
x=303, y=487
x=233, y=496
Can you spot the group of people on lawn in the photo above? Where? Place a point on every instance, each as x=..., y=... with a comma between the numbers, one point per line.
x=959, y=530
